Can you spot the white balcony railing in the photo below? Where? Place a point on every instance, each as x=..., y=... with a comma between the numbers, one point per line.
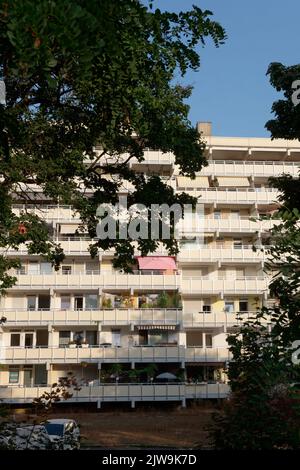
x=234, y=195
x=122, y=392
x=171, y=353
x=105, y=280
x=250, y=168
x=113, y=316
x=247, y=285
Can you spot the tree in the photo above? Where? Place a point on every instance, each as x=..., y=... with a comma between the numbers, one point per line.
x=21, y=436
x=71, y=89
x=265, y=366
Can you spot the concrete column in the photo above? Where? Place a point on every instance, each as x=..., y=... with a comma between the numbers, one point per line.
x=203, y=340
x=49, y=368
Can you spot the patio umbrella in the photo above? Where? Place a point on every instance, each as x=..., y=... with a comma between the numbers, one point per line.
x=166, y=376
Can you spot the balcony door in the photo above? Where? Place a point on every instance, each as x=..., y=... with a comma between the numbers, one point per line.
x=27, y=377
x=116, y=338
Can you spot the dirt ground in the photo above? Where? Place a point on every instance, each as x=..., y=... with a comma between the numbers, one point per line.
x=144, y=428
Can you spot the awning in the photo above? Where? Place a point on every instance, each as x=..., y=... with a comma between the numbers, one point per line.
x=233, y=182
x=199, y=182
x=156, y=262
x=156, y=327
x=68, y=228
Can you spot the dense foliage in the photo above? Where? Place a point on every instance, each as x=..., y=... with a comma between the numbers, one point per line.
x=84, y=74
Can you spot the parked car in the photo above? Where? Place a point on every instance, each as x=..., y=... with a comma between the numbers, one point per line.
x=64, y=433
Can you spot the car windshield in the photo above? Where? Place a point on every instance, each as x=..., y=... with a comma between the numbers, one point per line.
x=55, y=429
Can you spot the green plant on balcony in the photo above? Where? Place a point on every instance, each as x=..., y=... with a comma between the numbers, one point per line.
x=162, y=300
x=134, y=375
x=150, y=370
x=115, y=371
x=174, y=300
x=106, y=302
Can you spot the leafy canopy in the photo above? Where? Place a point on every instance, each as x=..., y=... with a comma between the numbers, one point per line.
x=81, y=75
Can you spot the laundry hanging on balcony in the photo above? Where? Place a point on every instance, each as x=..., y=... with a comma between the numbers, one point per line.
x=156, y=264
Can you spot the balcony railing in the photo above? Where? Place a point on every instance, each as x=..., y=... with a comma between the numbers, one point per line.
x=105, y=280
x=246, y=285
x=250, y=168
x=217, y=319
x=122, y=392
x=113, y=316
x=234, y=195
x=40, y=355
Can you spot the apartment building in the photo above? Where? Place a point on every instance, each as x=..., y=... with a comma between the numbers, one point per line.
x=117, y=333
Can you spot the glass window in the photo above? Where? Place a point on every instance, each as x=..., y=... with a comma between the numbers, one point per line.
x=243, y=306
x=44, y=302
x=14, y=376
x=31, y=301
x=15, y=339
x=235, y=214
x=33, y=267
x=91, y=302
x=229, y=306
x=208, y=340
x=64, y=338
x=217, y=215
x=66, y=270
x=206, y=306
x=65, y=302
x=157, y=337
x=46, y=268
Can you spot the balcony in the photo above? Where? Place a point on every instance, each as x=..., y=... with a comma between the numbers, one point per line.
x=250, y=168
x=241, y=224
x=246, y=285
x=114, y=316
x=105, y=280
x=122, y=392
x=49, y=212
x=55, y=355
x=235, y=195
x=207, y=254
x=217, y=319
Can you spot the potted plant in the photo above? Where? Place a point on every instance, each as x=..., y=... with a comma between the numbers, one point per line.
x=72, y=344
x=84, y=344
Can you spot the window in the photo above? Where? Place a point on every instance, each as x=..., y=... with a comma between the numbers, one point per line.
x=222, y=274
x=64, y=338
x=237, y=244
x=44, y=302
x=66, y=270
x=158, y=337
x=15, y=339
x=235, y=214
x=65, y=302
x=13, y=376
x=240, y=273
x=206, y=306
x=208, y=340
x=21, y=270
x=78, y=303
x=229, y=306
x=28, y=340
x=91, y=302
x=243, y=305
x=33, y=267
x=217, y=215
x=46, y=268
x=31, y=301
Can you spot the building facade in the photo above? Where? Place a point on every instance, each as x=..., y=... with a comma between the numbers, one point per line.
x=117, y=333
